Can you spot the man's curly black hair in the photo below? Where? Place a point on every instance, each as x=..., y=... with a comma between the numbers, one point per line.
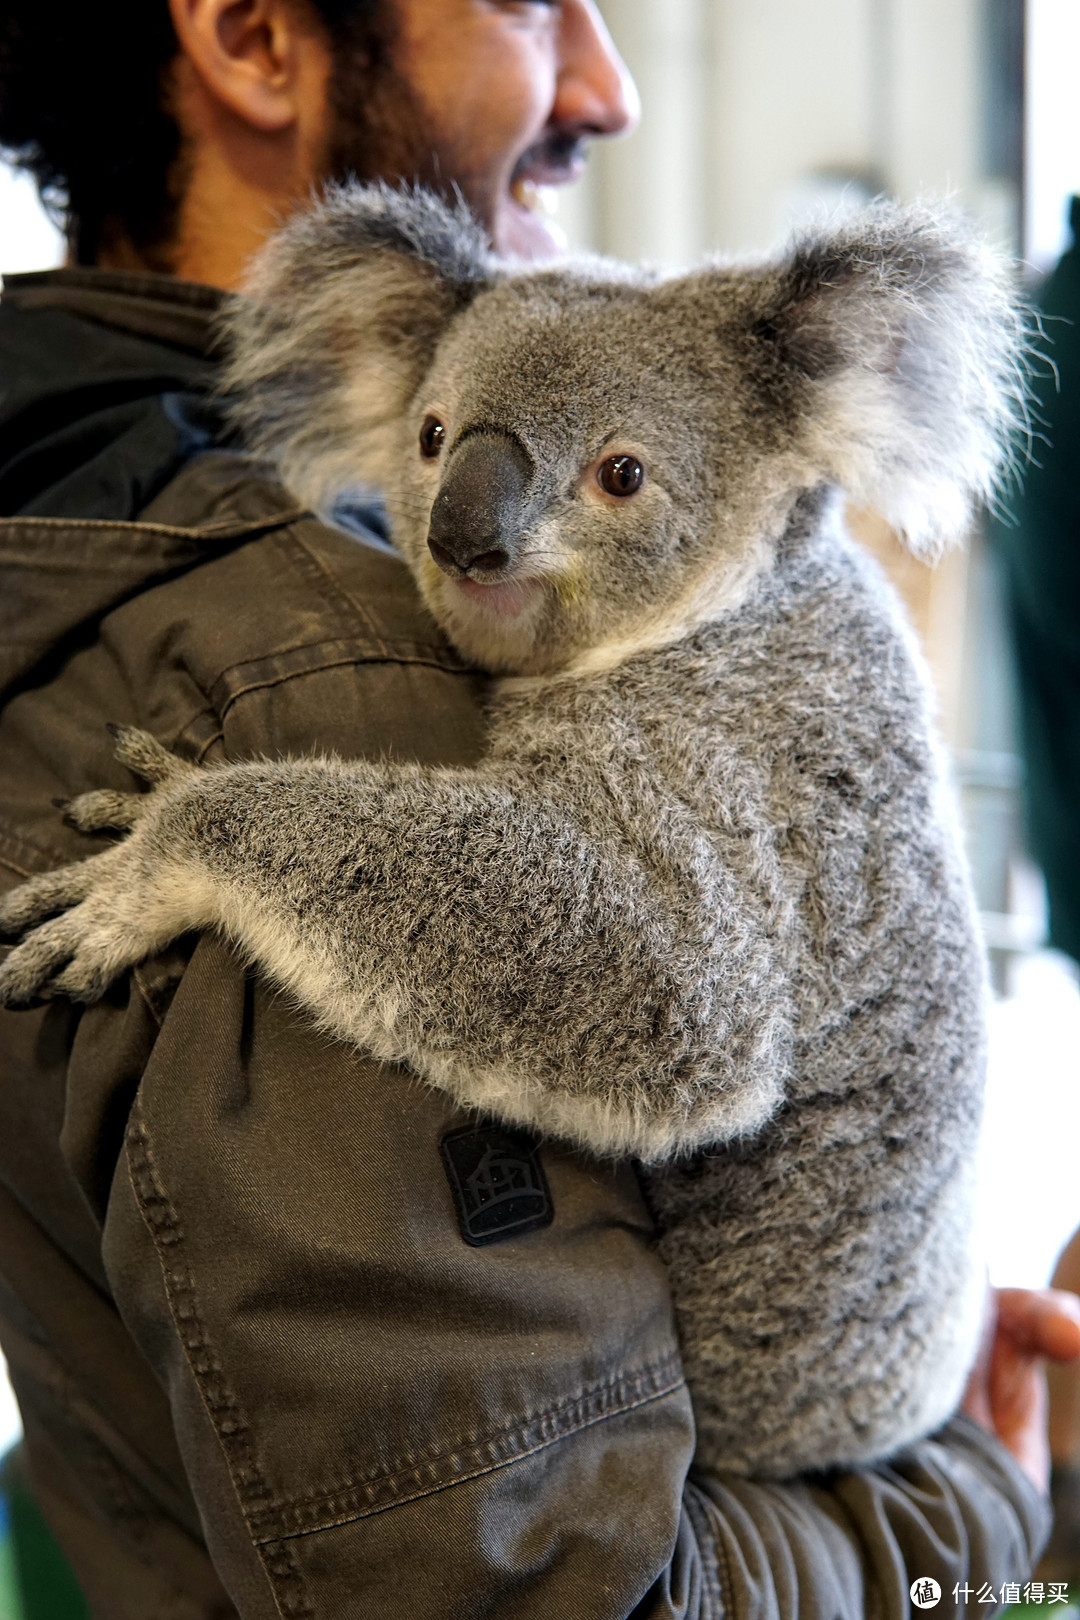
x=83, y=108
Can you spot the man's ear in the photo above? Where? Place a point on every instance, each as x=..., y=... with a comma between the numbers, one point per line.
x=250, y=56
x=337, y=326
x=900, y=342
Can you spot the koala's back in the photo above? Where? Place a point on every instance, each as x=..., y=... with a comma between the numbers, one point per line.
x=822, y=1267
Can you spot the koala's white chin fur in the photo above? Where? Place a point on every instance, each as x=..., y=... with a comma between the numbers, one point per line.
x=497, y=632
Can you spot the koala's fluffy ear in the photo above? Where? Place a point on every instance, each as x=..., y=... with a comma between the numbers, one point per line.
x=337, y=325
x=900, y=343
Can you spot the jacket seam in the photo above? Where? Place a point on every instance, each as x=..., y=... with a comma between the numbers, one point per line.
x=16, y=849
x=336, y=589
x=300, y=558
x=230, y=1426
x=358, y=656
x=222, y=528
x=715, y=1563
x=528, y=1433
x=351, y=1511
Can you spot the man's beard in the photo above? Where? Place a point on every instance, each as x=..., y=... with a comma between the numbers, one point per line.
x=381, y=130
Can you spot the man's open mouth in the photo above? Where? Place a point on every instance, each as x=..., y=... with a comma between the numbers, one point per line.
x=537, y=198
x=555, y=161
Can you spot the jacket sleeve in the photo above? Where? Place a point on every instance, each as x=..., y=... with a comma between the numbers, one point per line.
x=377, y=1418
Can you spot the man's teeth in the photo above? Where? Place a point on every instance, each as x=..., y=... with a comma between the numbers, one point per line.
x=537, y=199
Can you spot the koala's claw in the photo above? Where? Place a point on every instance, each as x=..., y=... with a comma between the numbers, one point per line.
x=44, y=896
x=143, y=754
x=80, y=926
x=104, y=809
x=26, y=975
x=76, y=955
x=86, y=978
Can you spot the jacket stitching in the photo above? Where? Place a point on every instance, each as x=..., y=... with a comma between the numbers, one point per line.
x=24, y=856
x=335, y=589
x=300, y=560
x=229, y=1424
x=667, y=1371
x=362, y=1498
x=715, y=1565
x=9, y=864
x=337, y=662
x=223, y=527
x=350, y=1510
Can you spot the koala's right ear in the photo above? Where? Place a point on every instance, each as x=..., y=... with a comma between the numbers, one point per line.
x=897, y=345
x=336, y=328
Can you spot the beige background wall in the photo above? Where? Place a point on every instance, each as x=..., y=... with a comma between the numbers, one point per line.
x=746, y=103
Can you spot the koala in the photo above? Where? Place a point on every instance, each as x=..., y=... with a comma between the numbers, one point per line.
x=702, y=902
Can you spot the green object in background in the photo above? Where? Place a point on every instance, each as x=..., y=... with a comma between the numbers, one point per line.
x=11, y=1606
x=36, y=1582
x=1028, y=1611
x=1040, y=553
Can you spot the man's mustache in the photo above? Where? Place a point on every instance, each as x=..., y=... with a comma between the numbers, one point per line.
x=553, y=151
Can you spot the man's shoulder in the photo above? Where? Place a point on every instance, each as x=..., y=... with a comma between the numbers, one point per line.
x=230, y=624
x=300, y=635
x=299, y=576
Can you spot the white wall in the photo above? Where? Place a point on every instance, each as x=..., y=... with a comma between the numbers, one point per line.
x=28, y=240
x=1052, y=134
x=755, y=112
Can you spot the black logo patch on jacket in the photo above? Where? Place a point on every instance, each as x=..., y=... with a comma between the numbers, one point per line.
x=498, y=1182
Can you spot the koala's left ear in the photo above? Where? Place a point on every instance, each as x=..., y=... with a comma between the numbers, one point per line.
x=337, y=326
x=900, y=350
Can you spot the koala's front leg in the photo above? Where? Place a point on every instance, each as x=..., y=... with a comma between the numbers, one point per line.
x=471, y=922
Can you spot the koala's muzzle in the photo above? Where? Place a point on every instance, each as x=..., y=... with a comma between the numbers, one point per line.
x=476, y=521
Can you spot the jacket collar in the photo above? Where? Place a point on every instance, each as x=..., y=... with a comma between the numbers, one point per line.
x=180, y=313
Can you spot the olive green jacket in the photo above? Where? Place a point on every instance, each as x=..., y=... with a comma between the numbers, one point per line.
x=261, y=1369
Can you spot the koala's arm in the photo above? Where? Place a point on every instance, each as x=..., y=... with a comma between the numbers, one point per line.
x=460, y=920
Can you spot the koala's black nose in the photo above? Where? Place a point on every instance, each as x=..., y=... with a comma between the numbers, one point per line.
x=477, y=516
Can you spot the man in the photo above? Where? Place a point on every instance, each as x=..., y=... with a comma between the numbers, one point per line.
x=262, y=1370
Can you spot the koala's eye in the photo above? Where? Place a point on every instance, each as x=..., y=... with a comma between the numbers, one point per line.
x=620, y=475
x=432, y=435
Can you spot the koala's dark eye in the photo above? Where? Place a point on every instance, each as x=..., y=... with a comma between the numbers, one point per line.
x=432, y=435
x=620, y=475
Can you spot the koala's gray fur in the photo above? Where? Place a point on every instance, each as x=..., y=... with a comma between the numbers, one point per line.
x=702, y=901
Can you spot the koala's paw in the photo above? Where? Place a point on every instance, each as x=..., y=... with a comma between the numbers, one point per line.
x=43, y=897
x=105, y=808
x=78, y=928
x=82, y=925
x=148, y=758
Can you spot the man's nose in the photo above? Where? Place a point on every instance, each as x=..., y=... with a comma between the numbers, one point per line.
x=594, y=93
x=476, y=521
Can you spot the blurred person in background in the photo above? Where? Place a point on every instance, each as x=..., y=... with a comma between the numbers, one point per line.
x=259, y=1369
x=1039, y=547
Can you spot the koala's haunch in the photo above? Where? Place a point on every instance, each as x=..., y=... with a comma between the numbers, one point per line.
x=702, y=901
